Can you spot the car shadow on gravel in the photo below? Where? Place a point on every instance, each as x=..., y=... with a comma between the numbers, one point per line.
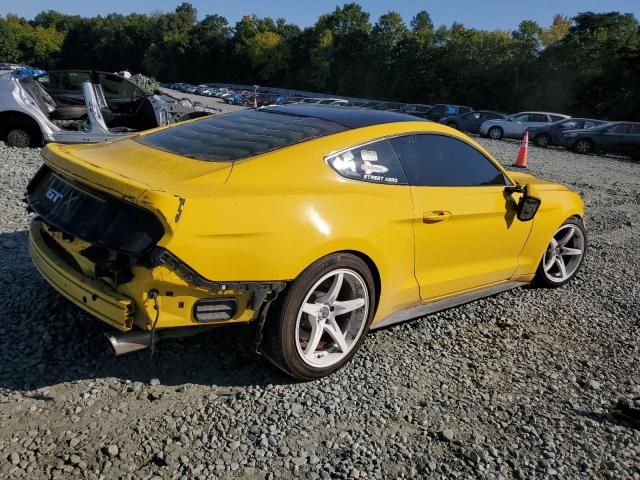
x=45, y=340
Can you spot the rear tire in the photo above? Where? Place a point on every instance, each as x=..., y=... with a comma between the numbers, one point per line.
x=306, y=336
x=564, y=255
x=19, y=138
x=495, y=133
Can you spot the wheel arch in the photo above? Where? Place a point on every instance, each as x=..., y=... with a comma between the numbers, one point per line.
x=9, y=118
x=373, y=268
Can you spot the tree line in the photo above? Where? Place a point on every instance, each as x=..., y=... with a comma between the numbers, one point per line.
x=588, y=65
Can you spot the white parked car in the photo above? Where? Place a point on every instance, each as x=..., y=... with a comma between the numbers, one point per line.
x=515, y=125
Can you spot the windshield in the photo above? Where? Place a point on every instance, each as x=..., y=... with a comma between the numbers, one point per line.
x=238, y=135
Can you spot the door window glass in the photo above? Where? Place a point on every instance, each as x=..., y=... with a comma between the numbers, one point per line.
x=524, y=117
x=570, y=124
x=538, y=117
x=441, y=161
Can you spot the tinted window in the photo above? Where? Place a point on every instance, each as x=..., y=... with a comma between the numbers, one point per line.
x=440, y=161
x=489, y=116
x=590, y=124
x=115, y=87
x=538, y=117
x=437, y=110
x=555, y=118
x=376, y=162
x=622, y=128
x=69, y=81
x=238, y=135
x=635, y=128
x=570, y=124
x=521, y=118
x=452, y=110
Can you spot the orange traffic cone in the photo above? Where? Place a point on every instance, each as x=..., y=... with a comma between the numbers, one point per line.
x=523, y=154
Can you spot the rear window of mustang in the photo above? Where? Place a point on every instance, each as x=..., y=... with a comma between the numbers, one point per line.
x=238, y=135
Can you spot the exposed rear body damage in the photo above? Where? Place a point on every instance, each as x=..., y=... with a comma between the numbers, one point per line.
x=151, y=238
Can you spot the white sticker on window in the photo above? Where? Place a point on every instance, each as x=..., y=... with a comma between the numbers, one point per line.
x=370, y=168
x=345, y=162
x=369, y=155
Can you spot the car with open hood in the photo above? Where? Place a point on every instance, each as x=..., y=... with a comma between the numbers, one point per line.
x=313, y=223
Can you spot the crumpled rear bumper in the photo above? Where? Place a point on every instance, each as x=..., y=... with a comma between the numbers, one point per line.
x=93, y=296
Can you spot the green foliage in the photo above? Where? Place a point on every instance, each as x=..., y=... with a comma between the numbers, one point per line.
x=587, y=65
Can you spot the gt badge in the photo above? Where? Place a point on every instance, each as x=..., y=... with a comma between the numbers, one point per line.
x=54, y=195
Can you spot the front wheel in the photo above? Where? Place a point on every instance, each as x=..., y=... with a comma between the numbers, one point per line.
x=543, y=140
x=563, y=257
x=583, y=146
x=495, y=133
x=19, y=137
x=322, y=319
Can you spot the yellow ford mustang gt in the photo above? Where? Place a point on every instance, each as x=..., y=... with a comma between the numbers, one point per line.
x=314, y=223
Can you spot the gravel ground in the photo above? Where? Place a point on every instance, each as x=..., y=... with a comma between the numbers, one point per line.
x=518, y=385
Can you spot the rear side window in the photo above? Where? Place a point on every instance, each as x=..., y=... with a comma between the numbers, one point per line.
x=375, y=163
x=238, y=135
x=440, y=161
x=622, y=128
x=589, y=124
x=555, y=118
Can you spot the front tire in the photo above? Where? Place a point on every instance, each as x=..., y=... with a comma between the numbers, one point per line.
x=19, y=138
x=495, y=133
x=583, y=146
x=322, y=319
x=543, y=140
x=564, y=255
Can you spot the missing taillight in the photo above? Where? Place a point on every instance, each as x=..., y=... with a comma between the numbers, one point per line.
x=215, y=309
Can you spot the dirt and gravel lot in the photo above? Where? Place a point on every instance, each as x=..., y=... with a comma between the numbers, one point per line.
x=519, y=385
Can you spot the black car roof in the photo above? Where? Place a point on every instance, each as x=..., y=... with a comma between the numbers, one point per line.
x=347, y=117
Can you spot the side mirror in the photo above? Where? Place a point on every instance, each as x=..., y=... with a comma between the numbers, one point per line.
x=529, y=203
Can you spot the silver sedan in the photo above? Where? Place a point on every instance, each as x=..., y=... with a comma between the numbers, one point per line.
x=515, y=125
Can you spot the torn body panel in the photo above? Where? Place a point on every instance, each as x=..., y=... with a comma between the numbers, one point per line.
x=85, y=114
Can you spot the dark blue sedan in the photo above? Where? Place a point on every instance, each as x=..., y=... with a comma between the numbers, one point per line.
x=548, y=135
x=471, y=121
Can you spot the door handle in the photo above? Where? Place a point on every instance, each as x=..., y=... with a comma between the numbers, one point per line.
x=435, y=216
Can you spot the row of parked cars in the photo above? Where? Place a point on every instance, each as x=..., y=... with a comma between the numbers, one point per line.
x=582, y=135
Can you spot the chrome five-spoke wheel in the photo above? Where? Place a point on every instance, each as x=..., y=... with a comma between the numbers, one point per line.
x=332, y=318
x=564, y=254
